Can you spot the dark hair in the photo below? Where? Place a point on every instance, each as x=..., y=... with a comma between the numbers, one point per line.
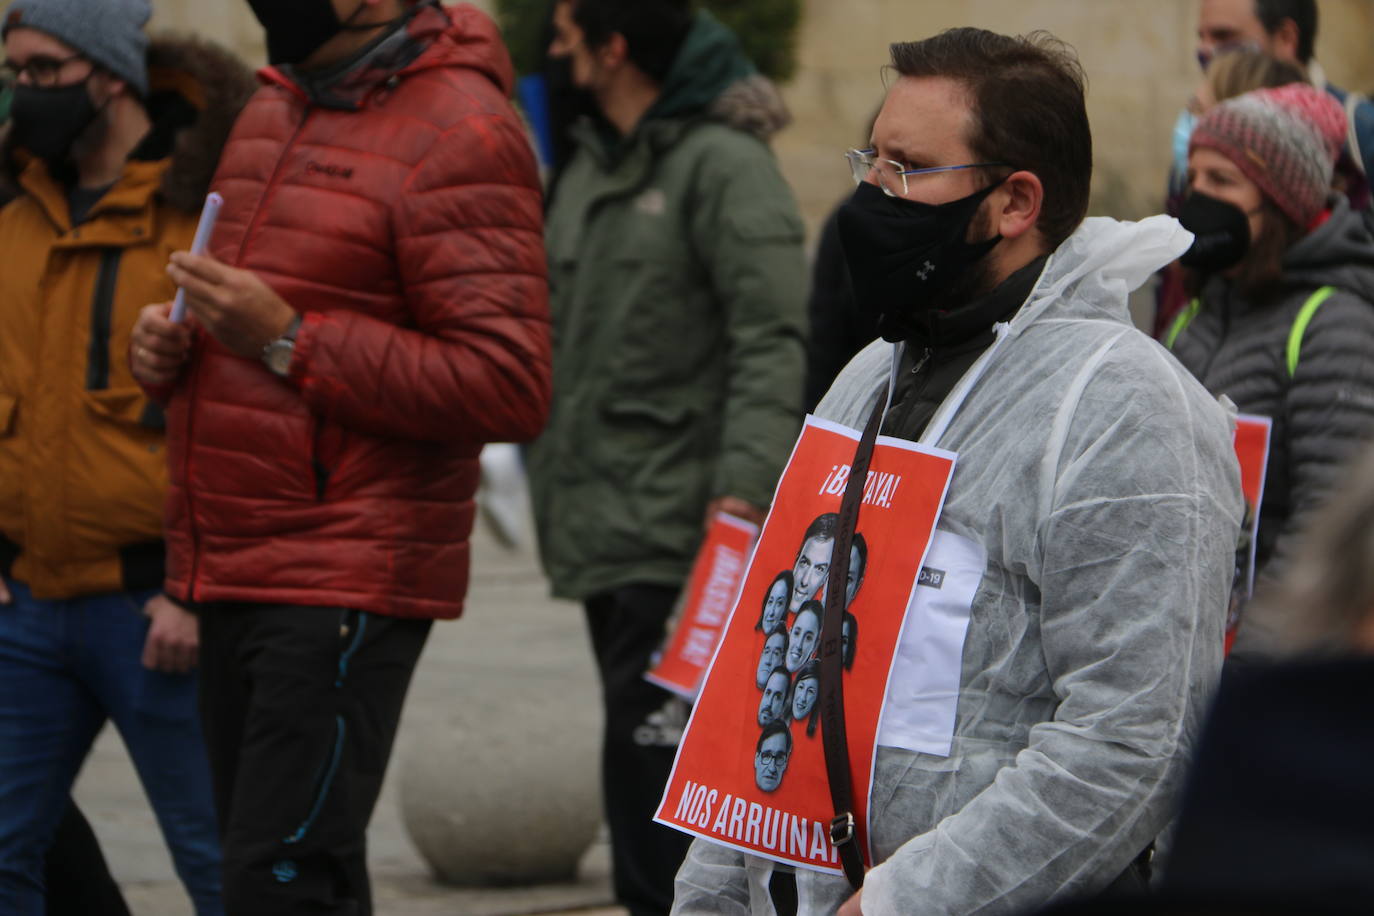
x=823, y=527
x=850, y=650
x=1027, y=96
x=812, y=670
x=784, y=576
x=653, y=29
x=861, y=546
x=1260, y=277
x=775, y=727
x=1272, y=13
x=814, y=607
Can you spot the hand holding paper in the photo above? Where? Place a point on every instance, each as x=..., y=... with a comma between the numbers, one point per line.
x=159, y=346
x=208, y=216
x=235, y=306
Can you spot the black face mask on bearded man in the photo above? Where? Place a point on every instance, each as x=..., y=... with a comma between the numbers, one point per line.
x=902, y=253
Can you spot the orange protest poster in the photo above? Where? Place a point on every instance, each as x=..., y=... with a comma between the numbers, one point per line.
x=711, y=592
x=750, y=771
x=1251, y=441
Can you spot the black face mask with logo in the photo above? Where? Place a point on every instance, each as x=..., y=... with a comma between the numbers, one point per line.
x=902, y=254
x=297, y=28
x=1221, y=233
x=48, y=122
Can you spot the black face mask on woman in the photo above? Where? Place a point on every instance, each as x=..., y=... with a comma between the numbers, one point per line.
x=902, y=254
x=1221, y=233
x=297, y=28
x=47, y=122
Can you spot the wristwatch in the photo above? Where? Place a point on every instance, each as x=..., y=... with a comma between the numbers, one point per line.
x=277, y=354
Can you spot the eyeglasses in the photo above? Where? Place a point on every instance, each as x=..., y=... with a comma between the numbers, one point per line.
x=778, y=758
x=42, y=71
x=892, y=176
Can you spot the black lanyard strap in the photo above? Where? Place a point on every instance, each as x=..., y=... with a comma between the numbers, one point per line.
x=833, y=735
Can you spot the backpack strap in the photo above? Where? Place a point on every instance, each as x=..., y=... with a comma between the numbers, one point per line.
x=1309, y=309
x=1353, y=101
x=1181, y=322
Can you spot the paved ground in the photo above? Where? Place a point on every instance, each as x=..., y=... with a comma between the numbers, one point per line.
x=510, y=625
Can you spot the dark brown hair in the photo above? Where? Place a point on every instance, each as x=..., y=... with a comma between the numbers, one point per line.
x=1272, y=13
x=654, y=29
x=1260, y=276
x=1028, y=110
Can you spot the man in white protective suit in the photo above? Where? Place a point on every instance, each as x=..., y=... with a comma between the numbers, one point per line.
x=1090, y=525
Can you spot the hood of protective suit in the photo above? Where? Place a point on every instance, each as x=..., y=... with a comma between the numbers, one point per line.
x=1094, y=271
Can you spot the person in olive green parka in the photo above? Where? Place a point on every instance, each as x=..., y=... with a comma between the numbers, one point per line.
x=678, y=292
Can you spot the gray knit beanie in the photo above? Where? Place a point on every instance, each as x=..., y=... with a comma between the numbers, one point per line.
x=1286, y=140
x=109, y=32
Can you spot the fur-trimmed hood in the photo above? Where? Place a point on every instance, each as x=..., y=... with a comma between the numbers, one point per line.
x=710, y=80
x=712, y=76
x=196, y=90
x=217, y=84
x=753, y=105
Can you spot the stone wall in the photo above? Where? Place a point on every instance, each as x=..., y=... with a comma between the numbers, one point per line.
x=1138, y=55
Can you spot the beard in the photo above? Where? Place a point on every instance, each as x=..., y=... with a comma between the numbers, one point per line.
x=976, y=280
x=94, y=136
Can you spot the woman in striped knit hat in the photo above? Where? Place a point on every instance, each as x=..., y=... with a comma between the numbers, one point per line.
x=1282, y=319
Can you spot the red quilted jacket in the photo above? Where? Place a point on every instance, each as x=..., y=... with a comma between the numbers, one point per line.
x=399, y=209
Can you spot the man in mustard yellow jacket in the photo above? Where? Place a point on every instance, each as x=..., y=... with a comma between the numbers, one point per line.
x=112, y=146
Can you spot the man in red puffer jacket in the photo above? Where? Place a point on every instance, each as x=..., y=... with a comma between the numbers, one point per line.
x=374, y=309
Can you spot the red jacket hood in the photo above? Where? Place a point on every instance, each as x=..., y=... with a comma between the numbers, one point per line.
x=456, y=36
x=471, y=40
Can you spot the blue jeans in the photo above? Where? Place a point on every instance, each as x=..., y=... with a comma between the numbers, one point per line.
x=65, y=667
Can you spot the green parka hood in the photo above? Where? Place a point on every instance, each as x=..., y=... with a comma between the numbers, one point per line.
x=710, y=79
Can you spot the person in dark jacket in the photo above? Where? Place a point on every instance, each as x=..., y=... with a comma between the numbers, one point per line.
x=839, y=329
x=374, y=310
x=678, y=296
x=1283, y=321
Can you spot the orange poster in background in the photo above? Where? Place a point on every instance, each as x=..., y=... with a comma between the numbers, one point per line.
x=711, y=593
x=750, y=771
x=1251, y=441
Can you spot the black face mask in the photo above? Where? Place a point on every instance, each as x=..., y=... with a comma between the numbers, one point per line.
x=1222, y=233
x=902, y=254
x=47, y=122
x=297, y=28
